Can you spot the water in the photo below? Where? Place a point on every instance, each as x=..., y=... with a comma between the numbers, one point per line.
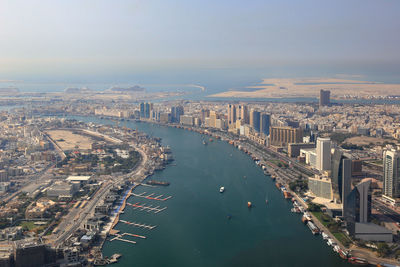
x=194, y=230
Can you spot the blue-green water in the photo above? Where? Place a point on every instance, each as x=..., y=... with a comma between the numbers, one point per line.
x=194, y=230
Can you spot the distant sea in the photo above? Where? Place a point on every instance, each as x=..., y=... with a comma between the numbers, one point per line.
x=191, y=80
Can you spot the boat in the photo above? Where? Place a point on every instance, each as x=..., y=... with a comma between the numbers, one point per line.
x=331, y=242
x=204, y=142
x=343, y=254
x=358, y=261
x=154, y=182
x=249, y=205
x=221, y=189
x=324, y=236
x=314, y=229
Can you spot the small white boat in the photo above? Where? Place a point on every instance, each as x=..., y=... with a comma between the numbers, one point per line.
x=221, y=189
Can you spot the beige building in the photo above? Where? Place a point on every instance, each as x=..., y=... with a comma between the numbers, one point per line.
x=281, y=136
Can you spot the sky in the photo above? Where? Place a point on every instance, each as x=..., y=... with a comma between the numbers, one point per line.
x=67, y=38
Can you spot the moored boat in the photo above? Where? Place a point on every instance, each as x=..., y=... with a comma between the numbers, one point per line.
x=358, y=261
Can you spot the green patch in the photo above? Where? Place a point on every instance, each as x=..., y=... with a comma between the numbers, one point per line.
x=333, y=227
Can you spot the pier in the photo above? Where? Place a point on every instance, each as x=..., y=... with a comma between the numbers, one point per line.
x=141, y=225
x=148, y=208
x=152, y=197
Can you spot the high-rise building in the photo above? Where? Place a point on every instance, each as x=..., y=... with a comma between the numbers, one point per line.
x=356, y=204
x=256, y=120
x=265, y=123
x=324, y=98
x=213, y=119
x=323, y=154
x=357, y=210
x=284, y=135
x=176, y=112
x=231, y=115
x=204, y=114
x=391, y=173
x=242, y=113
x=146, y=110
x=142, y=110
x=337, y=174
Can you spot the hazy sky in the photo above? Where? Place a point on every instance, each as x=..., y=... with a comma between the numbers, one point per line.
x=71, y=36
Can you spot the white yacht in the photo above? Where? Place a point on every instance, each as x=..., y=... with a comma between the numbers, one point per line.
x=221, y=189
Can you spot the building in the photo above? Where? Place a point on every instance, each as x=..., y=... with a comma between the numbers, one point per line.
x=265, y=123
x=142, y=113
x=323, y=154
x=294, y=148
x=324, y=98
x=165, y=117
x=4, y=176
x=391, y=173
x=231, y=115
x=212, y=119
x=64, y=189
x=176, y=113
x=205, y=113
x=310, y=156
x=337, y=173
x=357, y=212
x=320, y=186
x=242, y=113
x=281, y=136
x=29, y=254
x=79, y=179
x=255, y=120
x=186, y=120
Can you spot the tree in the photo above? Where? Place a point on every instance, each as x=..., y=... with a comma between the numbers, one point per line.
x=383, y=249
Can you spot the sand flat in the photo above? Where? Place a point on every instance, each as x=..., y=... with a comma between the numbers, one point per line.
x=69, y=139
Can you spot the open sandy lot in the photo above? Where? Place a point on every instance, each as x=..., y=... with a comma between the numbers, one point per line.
x=364, y=140
x=340, y=89
x=68, y=140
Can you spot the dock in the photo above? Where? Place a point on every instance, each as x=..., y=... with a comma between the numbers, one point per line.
x=148, y=208
x=151, y=196
x=141, y=225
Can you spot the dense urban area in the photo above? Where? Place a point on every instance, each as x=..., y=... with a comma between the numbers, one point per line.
x=63, y=183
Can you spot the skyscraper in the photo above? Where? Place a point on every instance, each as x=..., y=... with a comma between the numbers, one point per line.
x=265, y=123
x=391, y=173
x=357, y=205
x=176, y=113
x=324, y=98
x=242, y=113
x=148, y=107
x=256, y=121
x=346, y=184
x=142, y=110
x=323, y=154
x=231, y=115
x=337, y=173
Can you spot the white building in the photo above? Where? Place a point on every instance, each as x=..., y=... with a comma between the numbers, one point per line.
x=391, y=173
x=323, y=154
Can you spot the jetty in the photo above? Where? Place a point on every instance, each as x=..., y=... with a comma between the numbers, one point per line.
x=151, y=196
x=145, y=207
x=141, y=225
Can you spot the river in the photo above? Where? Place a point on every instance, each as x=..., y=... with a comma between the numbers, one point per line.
x=195, y=229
